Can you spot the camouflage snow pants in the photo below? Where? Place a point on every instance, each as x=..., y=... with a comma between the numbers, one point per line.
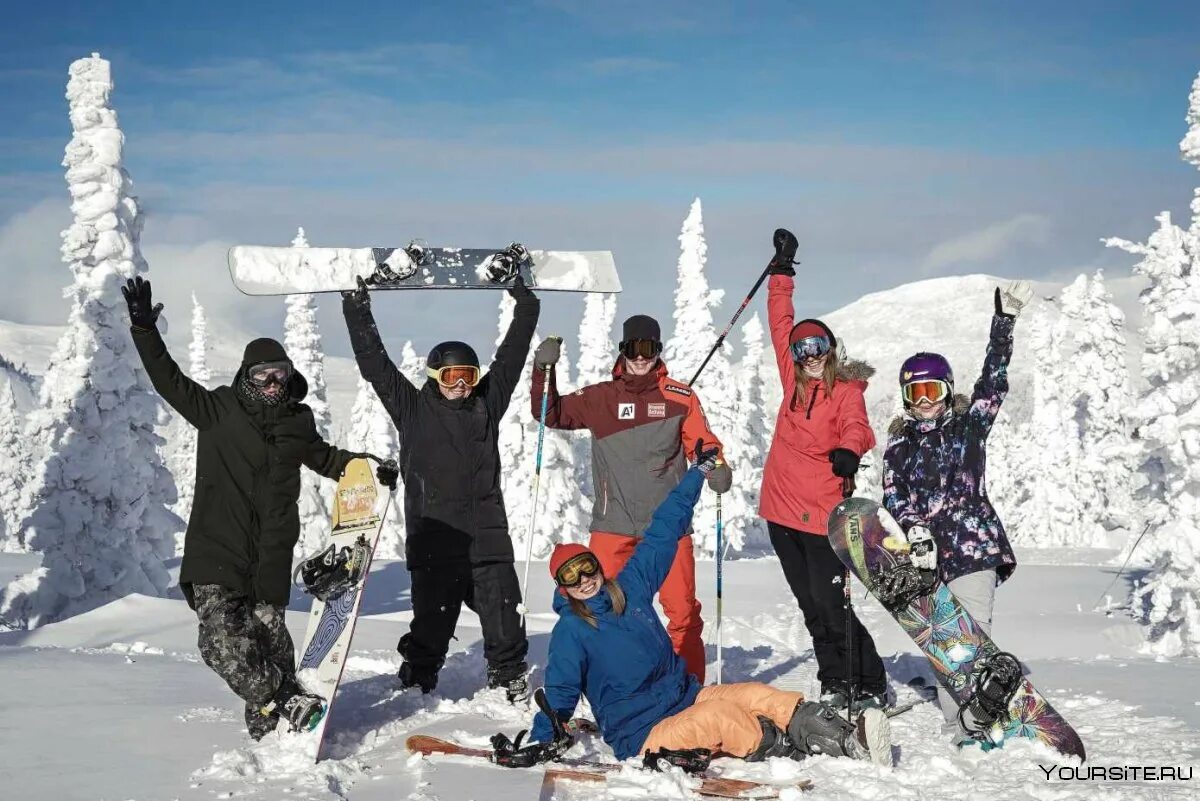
x=246, y=645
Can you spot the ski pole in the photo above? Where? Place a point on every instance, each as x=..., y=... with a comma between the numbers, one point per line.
x=537, y=482
x=729, y=327
x=719, y=560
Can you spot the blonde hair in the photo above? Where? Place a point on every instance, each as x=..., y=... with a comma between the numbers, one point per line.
x=828, y=376
x=615, y=594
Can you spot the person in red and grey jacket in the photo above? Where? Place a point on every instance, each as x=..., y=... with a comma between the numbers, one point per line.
x=820, y=434
x=643, y=425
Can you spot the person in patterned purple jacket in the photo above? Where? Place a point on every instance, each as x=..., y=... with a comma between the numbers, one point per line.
x=934, y=470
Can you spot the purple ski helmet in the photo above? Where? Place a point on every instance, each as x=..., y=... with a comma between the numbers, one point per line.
x=926, y=367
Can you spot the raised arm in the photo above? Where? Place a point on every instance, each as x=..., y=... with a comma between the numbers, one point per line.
x=196, y=404
x=396, y=393
x=647, y=569
x=780, y=314
x=570, y=412
x=505, y=370
x=325, y=459
x=992, y=386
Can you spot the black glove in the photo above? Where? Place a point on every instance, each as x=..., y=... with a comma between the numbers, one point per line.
x=705, y=458
x=845, y=463
x=387, y=472
x=517, y=290
x=547, y=354
x=691, y=760
x=785, y=253
x=357, y=299
x=137, y=295
x=510, y=754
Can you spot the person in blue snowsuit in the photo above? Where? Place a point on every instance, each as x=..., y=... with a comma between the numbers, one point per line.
x=610, y=646
x=934, y=478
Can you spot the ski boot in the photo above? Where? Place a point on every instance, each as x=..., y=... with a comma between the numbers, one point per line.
x=994, y=682
x=412, y=676
x=835, y=694
x=819, y=729
x=865, y=700
x=302, y=710
x=512, y=678
x=333, y=571
x=775, y=743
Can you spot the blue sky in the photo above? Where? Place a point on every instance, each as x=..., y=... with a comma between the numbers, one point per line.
x=900, y=141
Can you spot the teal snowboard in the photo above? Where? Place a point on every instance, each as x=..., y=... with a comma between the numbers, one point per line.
x=869, y=542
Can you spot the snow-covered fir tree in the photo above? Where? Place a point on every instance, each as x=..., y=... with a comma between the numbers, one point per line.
x=748, y=444
x=302, y=340
x=1008, y=473
x=12, y=456
x=371, y=431
x=1100, y=401
x=103, y=533
x=412, y=365
x=183, y=459
x=1167, y=428
x=684, y=352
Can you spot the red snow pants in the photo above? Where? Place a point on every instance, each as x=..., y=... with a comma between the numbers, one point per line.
x=724, y=719
x=677, y=594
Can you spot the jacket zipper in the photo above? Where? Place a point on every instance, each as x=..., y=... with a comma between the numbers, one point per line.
x=808, y=414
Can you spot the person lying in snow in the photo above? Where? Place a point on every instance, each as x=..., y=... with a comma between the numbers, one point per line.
x=609, y=646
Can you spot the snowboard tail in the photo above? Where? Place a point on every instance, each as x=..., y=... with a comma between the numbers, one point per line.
x=871, y=543
x=592, y=771
x=291, y=270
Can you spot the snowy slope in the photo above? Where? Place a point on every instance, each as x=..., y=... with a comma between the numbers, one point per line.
x=116, y=704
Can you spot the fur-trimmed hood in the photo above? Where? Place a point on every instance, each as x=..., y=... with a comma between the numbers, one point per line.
x=855, y=370
x=900, y=421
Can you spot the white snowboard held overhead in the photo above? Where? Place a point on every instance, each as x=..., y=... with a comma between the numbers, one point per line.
x=291, y=270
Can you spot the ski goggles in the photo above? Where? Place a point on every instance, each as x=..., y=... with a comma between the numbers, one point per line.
x=933, y=391
x=266, y=373
x=810, y=348
x=575, y=569
x=449, y=377
x=641, y=348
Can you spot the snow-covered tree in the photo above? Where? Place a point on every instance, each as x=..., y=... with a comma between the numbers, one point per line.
x=302, y=340
x=747, y=445
x=597, y=353
x=12, y=456
x=1009, y=479
x=1167, y=428
x=690, y=342
x=1101, y=399
x=184, y=457
x=371, y=431
x=99, y=498
x=412, y=366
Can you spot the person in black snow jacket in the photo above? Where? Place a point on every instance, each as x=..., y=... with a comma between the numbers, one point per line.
x=457, y=547
x=252, y=439
x=934, y=481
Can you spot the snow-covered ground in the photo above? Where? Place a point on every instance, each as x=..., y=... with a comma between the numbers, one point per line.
x=115, y=704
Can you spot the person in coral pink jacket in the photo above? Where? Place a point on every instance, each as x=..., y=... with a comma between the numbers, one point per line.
x=821, y=432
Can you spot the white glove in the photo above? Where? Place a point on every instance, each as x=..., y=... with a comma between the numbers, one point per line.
x=922, y=549
x=1015, y=298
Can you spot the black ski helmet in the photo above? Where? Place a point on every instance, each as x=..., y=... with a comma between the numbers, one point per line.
x=451, y=354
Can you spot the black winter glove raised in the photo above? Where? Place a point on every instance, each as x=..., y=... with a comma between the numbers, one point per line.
x=845, y=463
x=357, y=299
x=518, y=290
x=388, y=472
x=705, y=458
x=785, y=253
x=143, y=313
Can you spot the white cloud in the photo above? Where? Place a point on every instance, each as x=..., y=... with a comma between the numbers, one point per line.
x=983, y=244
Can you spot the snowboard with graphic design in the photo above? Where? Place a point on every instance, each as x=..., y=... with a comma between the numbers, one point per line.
x=869, y=541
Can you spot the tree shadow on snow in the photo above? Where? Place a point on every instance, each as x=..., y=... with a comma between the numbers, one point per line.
x=740, y=664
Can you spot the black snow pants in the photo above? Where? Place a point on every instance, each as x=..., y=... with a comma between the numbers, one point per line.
x=814, y=573
x=246, y=644
x=491, y=590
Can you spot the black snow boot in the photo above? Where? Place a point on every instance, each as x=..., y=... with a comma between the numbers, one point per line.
x=819, y=729
x=302, y=710
x=775, y=743
x=513, y=678
x=835, y=693
x=412, y=676
x=259, y=725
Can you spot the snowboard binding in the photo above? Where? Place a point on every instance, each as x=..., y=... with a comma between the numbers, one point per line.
x=330, y=573
x=993, y=684
x=503, y=267
x=389, y=269
x=419, y=253
x=899, y=585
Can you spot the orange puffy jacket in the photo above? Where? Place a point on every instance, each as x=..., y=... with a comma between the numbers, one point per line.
x=799, y=489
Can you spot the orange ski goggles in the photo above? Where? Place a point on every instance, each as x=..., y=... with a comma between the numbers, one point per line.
x=574, y=570
x=933, y=391
x=449, y=377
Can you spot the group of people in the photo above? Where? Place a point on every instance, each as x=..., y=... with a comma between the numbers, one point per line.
x=644, y=681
